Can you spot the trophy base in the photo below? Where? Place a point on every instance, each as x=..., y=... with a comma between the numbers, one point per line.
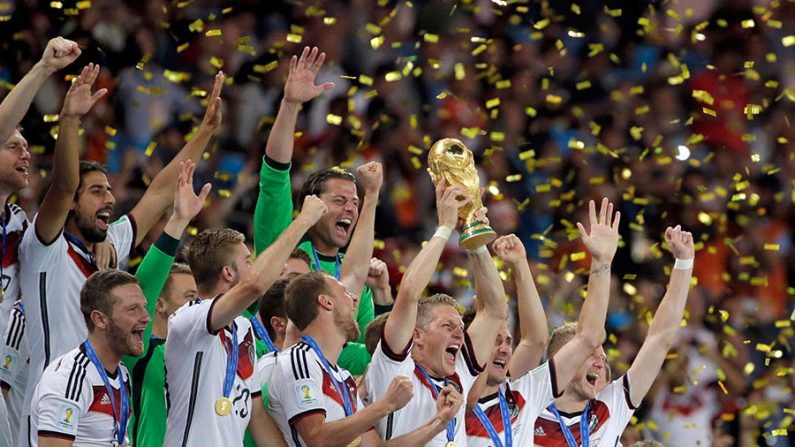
x=476, y=235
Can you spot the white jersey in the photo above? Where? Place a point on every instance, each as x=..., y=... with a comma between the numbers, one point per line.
x=196, y=359
x=526, y=397
x=14, y=221
x=51, y=277
x=300, y=386
x=15, y=362
x=71, y=402
x=422, y=407
x=610, y=413
x=686, y=418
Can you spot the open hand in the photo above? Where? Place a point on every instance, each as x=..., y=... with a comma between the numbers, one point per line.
x=79, y=99
x=212, y=116
x=186, y=203
x=300, y=85
x=602, y=240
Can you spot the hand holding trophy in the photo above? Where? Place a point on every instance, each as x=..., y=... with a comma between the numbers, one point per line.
x=451, y=160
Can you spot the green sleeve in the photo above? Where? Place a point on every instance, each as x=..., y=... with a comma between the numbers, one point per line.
x=152, y=275
x=274, y=210
x=355, y=358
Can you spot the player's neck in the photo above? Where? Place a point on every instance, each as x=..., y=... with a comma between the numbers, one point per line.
x=4, y=195
x=488, y=390
x=160, y=327
x=107, y=355
x=211, y=292
x=321, y=247
x=569, y=402
x=419, y=357
x=328, y=338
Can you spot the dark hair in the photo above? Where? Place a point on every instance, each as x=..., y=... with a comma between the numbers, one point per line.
x=301, y=298
x=301, y=255
x=97, y=292
x=87, y=167
x=271, y=303
x=176, y=268
x=316, y=183
x=374, y=331
x=210, y=251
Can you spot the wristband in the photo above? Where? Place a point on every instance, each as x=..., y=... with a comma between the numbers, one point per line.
x=443, y=232
x=683, y=264
x=479, y=250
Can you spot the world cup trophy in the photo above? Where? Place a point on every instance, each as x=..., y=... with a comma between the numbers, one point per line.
x=451, y=160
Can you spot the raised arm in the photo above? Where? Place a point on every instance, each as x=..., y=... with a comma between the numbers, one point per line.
x=299, y=89
x=399, y=326
x=492, y=309
x=274, y=208
x=59, y=53
x=667, y=318
x=267, y=267
x=318, y=433
x=601, y=242
x=378, y=281
x=532, y=320
x=160, y=193
x=356, y=265
x=66, y=162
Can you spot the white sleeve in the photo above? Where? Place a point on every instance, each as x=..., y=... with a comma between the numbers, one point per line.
x=384, y=366
x=122, y=234
x=59, y=407
x=190, y=324
x=10, y=350
x=297, y=386
x=537, y=386
x=616, y=396
x=34, y=255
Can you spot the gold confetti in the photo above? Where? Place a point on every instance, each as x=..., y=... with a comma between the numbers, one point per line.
x=150, y=149
x=788, y=41
x=53, y=118
x=294, y=38
x=430, y=38
x=83, y=4
x=213, y=33
x=334, y=120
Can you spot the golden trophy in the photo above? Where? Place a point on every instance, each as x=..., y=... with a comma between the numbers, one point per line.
x=450, y=160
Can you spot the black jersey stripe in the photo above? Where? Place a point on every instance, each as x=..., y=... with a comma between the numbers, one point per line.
x=194, y=389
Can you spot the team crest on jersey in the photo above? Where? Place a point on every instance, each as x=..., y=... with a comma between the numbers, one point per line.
x=68, y=418
x=307, y=394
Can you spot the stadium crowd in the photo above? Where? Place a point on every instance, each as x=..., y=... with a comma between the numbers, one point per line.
x=677, y=113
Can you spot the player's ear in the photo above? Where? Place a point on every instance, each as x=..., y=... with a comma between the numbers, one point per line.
x=99, y=319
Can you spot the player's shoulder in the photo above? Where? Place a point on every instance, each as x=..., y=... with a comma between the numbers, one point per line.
x=67, y=373
x=297, y=362
x=17, y=215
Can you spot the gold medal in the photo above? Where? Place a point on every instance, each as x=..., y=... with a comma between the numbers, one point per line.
x=223, y=406
x=450, y=444
x=2, y=292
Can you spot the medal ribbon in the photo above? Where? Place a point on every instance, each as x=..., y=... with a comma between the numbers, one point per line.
x=337, y=262
x=506, y=423
x=231, y=362
x=584, y=432
x=119, y=421
x=346, y=397
x=435, y=392
x=263, y=334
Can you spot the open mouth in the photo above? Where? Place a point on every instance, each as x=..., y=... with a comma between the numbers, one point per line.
x=451, y=352
x=592, y=377
x=23, y=170
x=499, y=364
x=343, y=226
x=138, y=336
x=103, y=219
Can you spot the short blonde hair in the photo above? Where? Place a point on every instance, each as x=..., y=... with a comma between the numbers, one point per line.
x=426, y=305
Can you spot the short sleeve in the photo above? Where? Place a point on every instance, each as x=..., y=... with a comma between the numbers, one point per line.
x=59, y=406
x=616, y=396
x=384, y=367
x=122, y=233
x=190, y=324
x=298, y=387
x=34, y=254
x=10, y=350
x=537, y=386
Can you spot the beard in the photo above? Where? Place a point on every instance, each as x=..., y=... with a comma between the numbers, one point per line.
x=349, y=327
x=90, y=232
x=120, y=339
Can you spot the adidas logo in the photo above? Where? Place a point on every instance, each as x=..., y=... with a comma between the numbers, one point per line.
x=539, y=431
x=105, y=399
